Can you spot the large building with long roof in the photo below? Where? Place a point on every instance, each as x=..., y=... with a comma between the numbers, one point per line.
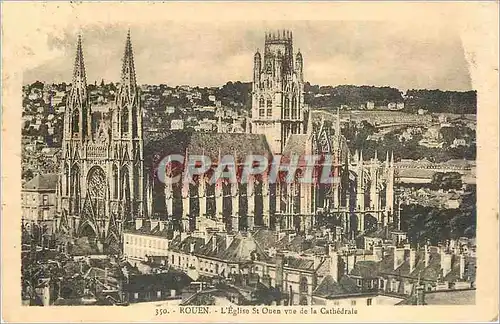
x=110, y=172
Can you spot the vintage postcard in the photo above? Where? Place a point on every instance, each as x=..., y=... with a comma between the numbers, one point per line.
x=250, y=162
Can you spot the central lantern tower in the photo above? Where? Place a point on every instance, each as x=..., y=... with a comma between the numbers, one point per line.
x=278, y=91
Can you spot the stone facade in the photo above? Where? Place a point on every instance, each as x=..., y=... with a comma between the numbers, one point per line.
x=278, y=91
x=102, y=168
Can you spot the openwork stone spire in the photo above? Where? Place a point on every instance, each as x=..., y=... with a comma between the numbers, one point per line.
x=128, y=81
x=128, y=111
x=78, y=113
x=79, y=77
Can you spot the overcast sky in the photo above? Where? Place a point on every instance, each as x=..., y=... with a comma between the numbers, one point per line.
x=210, y=54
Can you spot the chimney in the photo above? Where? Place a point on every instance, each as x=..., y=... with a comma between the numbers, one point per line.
x=191, y=247
x=229, y=240
x=214, y=243
x=330, y=236
x=446, y=259
x=317, y=261
x=280, y=261
x=462, y=266
x=338, y=233
x=452, y=244
x=46, y=293
x=420, y=294
x=334, y=266
x=413, y=259
x=427, y=256
x=138, y=223
x=331, y=248
x=399, y=257
x=378, y=252
x=154, y=223
x=351, y=261
x=162, y=225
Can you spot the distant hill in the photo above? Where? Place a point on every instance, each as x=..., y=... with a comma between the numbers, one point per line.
x=353, y=96
x=456, y=102
x=357, y=97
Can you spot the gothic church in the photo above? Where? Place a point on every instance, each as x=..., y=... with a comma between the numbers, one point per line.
x=108, y=173
x=101, y=187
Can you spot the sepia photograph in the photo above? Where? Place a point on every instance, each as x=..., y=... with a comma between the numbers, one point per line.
x=249, y=168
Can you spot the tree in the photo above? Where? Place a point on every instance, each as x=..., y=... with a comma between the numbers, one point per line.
x=441, y=101
x=446, y=180
x=37, y=85
x=464, y=223
x=27, y=175
x=424, y=223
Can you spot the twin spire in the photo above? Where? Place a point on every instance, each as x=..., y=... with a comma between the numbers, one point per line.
x=128, y=69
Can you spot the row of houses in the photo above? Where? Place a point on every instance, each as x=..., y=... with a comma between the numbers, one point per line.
x=305, y=270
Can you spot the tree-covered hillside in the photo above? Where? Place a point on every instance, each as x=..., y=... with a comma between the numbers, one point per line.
x=441, y=101
x=356, y=97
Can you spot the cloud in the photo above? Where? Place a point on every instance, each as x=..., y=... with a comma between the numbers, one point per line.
x=212, y=53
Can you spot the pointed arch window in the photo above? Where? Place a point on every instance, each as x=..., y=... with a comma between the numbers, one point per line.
x=125, y=193
x=75, y=188
x=286, y=110
x=125, y=184
x=261, y=107
x=75, y=121
x=294, y=107
x=303, y=288
x=66, y=179
x=97, y=191
x=269, y=106
x=124, y=121
x=115, y=182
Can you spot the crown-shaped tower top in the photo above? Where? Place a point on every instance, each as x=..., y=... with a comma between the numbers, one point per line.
x=279, y=36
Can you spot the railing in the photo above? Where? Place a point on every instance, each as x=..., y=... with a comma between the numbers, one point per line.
x=97, y=150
